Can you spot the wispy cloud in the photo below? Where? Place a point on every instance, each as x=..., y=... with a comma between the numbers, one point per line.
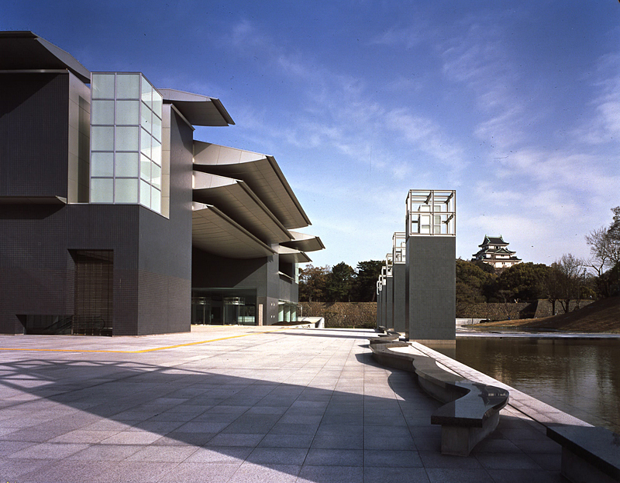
x=407, y=37
x=479, y=60
x=340, y=114
x=426, y=136
x=603, y=126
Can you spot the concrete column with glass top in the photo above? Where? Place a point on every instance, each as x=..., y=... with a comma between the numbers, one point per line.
x=399, y=283
x=431, y=266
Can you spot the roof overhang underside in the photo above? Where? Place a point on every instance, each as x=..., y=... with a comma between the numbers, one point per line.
x=260, y=172
x=26, y=51
x=235, y=199
x=197, y=109
x=216, y=233
x=291, y=255
x=32, y=200
x=304, y=242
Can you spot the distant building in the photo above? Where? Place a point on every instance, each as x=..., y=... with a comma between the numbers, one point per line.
x=494, y=251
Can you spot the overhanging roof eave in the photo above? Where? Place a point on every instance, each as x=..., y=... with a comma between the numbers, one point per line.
x=248, y=245
x=198, y=109
x=288, y=188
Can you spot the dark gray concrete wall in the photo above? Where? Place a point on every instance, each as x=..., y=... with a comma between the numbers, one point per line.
x=431, y=287
x=165, y=262
x=34, y=139
x=399, y=297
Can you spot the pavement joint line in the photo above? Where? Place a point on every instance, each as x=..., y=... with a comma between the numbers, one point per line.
x=143, y=351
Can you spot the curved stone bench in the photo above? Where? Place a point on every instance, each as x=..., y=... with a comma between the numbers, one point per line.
x=589, y=453
x=471, y=411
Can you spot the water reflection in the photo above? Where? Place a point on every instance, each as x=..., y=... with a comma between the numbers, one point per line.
x=580, y=377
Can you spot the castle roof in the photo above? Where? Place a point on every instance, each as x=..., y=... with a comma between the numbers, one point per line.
x=493, y=240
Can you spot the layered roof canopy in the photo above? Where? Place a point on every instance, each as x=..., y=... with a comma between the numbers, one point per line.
x=235, y=198
x=217, y=233
x=261, y=173
x=24, y=50
x=197, y=109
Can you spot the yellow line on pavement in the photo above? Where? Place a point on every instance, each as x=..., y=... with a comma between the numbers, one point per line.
x=140, y=351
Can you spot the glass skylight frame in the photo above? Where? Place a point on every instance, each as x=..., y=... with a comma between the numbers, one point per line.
x=431, y=213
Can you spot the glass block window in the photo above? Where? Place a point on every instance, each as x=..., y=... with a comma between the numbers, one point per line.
x=125, y=158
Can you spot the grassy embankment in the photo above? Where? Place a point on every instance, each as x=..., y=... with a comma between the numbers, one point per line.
x=602, y=316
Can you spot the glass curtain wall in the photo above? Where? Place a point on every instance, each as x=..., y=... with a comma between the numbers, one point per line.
x=126, y=138
x=219, y=309
x=287, y=311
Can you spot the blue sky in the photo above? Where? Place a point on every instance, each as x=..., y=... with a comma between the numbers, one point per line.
x=516, y=105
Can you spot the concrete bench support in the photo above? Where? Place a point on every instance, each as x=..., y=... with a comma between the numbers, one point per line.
x=589, y=453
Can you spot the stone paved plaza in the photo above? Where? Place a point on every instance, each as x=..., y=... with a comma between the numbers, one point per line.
x=233, y=404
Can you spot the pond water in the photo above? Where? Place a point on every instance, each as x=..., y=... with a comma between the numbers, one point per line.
x=578, y=376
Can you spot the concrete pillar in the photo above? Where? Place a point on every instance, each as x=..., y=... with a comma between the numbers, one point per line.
x=399, y=297
x=389, y=301
x=378, y=303
x=431, y=291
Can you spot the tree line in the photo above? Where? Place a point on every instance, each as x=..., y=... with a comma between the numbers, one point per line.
x=340, y=283
x=566, y=280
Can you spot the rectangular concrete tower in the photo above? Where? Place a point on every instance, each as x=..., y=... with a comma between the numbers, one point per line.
x=379, y=308
x=431, y=266
x=399, y=282
x=384, y=300
x=389, y=296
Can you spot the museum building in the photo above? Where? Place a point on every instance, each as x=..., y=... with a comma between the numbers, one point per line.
x=115, y=221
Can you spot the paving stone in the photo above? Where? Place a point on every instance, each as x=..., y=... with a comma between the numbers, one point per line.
x=394, y=459
x=507, y=461
x=15, y=468
x=54, y=451
x=461, y=475
x=221, y=455
x=287, y=441
x=254, y=473
x=201, y=472
x=329, y=474
x=334, y=457
x=278, y=456
x=132, y=437
x=106, y=452
x=395, y=475
x=434, y=459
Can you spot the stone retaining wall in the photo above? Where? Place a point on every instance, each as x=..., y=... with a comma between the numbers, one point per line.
x=522, y=310
x=341, y=314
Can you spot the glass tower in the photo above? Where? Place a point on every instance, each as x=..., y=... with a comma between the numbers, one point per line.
x=126, y=139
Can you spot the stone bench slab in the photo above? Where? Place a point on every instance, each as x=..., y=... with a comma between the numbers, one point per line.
x=589, y=453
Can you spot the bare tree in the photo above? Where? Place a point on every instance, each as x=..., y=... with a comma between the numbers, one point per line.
x=605, y=251
x=599, y=249
x=568, y=280
x=604, y=248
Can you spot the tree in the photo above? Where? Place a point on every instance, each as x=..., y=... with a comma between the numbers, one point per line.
x=365, y=285
x=604, y=248
x=340, y=282
x=313, y=283
x=523, y=281
x=605, y=253
x=471, y=281
x=568, y=280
